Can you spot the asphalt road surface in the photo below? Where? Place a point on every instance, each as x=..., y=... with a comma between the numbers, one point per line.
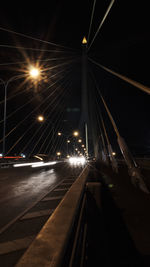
x=20, y=188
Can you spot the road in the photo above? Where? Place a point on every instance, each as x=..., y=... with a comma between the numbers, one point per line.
x=125, y=212
x=20, y=188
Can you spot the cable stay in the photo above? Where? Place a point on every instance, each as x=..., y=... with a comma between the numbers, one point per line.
x=30, y=128
x=26, y=117
x=101, y=23
x=35, y=39
x=104, y=153
x=140, y=86
x=39, y=138
x=39, y=60
x=134, y=171
x=25, y=90
x=33, y=97
x=30, y=100
x=51, y=132
x=92, y=14
x=52, y=109
x=34, y=49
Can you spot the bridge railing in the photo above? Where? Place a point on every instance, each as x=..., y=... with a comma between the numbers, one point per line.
x=61, y=242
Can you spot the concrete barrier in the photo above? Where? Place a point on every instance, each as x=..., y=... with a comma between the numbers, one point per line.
x=49, y=247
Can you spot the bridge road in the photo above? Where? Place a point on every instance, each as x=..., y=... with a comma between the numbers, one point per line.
x=20, y=188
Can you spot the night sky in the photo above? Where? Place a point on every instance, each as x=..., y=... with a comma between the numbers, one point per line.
x=122, y=45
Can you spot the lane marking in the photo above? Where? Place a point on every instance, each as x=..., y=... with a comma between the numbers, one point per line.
x=15, y=245
x=5, y=227
x=61, y=189
x=36, y=214
x=52, y=198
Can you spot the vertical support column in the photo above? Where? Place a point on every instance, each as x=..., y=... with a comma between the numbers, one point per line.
x=84, y=118
x=86, y=138
x=4, y=127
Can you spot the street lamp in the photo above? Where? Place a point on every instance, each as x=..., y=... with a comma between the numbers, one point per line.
x=75, y=133
x=40, y=118
x=33, y=73
x=5, y=84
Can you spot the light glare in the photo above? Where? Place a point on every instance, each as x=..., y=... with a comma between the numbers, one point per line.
x=77, y=160
x=40, y=118
x=34, y=72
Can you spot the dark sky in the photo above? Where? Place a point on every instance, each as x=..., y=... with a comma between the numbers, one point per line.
x=122, y=44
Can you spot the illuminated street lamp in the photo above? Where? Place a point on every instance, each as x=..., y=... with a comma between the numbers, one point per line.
x=34, y=72
x=5, y=84
x=80, y=141
x=82, y=145
x=59, y=133
x=75, y=133
x=58, y=154
x=40, y=118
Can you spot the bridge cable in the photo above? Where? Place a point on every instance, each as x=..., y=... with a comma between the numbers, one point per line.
x=101, y=23
x=49, y=105
x=34, y=49
x=109, y=147
x=31, y=99
x=59, y=99
x=59, y=117
x=53, y=148
x=28, y=115
x=12, y=113
x=38, y=140
x=26, y=90
x=44, y=111
x=140, y=86
x=92, y=14
x=34, y=38
x=23, y=120
x=134, y=171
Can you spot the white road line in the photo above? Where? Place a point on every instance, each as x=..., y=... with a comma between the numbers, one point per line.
x=27, y=209
x=60, y=189
x=36, y=214
x=15, y=245
x=52, y=198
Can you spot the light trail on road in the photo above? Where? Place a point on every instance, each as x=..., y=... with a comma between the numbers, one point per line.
x=21, y=187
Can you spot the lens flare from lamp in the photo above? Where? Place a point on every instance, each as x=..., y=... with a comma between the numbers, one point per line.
x=34, y=72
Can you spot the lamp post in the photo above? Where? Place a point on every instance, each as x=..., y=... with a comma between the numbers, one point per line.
x=5, y=84
x=33, y=73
